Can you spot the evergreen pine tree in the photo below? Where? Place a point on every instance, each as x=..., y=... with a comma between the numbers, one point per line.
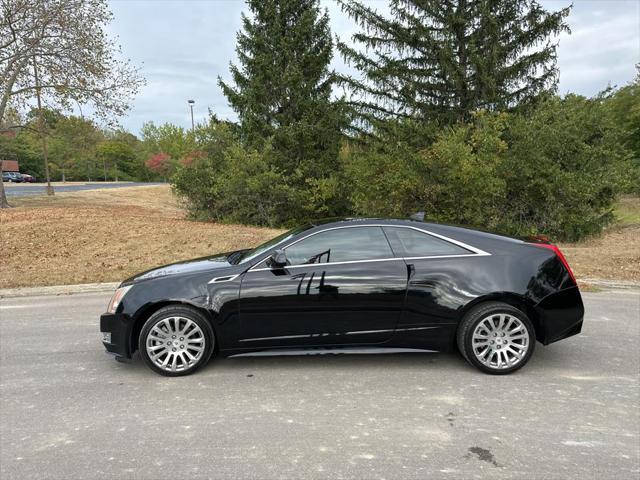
x=440, y=60
x=283, y=86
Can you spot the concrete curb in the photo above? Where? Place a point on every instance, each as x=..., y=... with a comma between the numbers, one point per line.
x=610, y=284
x=110, y=287
x=58, y=290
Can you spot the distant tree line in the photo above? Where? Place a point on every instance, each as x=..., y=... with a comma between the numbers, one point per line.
x=78, y=150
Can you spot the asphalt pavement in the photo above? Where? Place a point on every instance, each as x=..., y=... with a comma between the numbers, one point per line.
x=22, y=189
x=69, y=411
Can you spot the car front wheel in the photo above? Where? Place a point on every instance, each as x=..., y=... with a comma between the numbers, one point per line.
x=176, y=340
x=496, y=338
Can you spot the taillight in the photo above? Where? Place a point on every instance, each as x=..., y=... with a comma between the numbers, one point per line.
x=559, y=254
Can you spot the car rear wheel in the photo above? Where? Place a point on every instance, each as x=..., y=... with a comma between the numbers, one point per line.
x=176, y=340
x=496, y=338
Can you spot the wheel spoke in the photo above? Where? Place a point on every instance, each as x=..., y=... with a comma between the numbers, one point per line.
x=165, y=362
x=165, y=324
x=186, y=327
x=174, y=361
x=182, y=359
x=508, y=323
x=518, y=355
x=485, y=353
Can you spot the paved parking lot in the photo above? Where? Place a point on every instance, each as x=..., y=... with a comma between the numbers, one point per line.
x=69, y=411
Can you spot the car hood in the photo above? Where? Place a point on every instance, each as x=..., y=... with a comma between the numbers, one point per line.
x=210, y=263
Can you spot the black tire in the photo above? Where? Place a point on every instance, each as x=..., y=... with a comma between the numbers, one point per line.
x=185, y=312
x=479, y=313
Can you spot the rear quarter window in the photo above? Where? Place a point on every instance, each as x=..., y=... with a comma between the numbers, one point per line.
x=408, y=242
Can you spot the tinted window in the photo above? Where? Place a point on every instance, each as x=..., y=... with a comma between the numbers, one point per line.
x=340, y=245
x=259, y=250
x=413, y=243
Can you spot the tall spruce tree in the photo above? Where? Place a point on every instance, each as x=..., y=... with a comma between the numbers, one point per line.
x=283, y=86
x=440, y=60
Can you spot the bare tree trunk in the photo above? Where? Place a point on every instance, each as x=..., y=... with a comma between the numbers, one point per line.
x=4, y=100
x=104, y=167
x=9, y=83
x=3, y=195
x=45, y=145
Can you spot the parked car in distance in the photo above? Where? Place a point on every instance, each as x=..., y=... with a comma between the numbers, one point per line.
x=12, y=177
x=351, y=286
x=28, y=178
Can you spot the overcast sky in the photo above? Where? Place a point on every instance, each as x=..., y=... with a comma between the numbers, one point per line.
x=182, y=46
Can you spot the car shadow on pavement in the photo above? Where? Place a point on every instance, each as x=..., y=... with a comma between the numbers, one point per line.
x=543, y=357
x=343, y=361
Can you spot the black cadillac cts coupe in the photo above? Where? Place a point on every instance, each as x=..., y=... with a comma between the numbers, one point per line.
x=351, y=286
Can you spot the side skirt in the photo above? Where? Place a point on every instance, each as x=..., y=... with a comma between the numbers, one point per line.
x=330, y=351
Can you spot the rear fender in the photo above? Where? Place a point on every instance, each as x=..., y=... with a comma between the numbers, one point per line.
x=515, y=300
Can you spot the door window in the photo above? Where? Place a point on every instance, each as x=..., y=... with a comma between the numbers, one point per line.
x=340, y=245
x=413, y=243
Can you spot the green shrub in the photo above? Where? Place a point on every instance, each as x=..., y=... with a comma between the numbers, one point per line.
x=564, y=167
x=454, y=180
x=555, y=170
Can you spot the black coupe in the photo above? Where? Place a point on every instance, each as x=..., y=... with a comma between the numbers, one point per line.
x=351, y=286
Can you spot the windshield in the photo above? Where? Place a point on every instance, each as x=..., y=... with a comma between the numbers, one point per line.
x=249, y=255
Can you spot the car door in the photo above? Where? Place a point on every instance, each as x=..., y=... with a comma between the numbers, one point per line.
x=437, y=289
x=341, y=286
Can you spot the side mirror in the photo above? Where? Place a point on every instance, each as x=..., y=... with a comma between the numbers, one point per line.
x=278, y=259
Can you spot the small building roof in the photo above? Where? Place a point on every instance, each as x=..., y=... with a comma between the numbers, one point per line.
x=10, y=166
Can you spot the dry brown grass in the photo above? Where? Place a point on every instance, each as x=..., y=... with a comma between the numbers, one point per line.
x=613, y=256
x=157, y=198
x=107, y=235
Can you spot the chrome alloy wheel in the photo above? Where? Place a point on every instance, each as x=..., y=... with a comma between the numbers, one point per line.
x=500, y=341
x=175, y=344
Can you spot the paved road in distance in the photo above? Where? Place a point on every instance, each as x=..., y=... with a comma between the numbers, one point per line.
x=22, y=189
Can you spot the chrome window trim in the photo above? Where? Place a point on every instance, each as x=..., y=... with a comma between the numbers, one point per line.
x=346, y=262
x=476, y=252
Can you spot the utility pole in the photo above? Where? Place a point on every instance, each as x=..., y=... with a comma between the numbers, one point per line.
x=191, y=102
x=45, y=145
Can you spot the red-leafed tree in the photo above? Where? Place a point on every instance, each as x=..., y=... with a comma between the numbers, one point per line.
x=160, y=163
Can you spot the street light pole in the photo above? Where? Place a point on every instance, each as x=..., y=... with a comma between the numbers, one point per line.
x=191, y=102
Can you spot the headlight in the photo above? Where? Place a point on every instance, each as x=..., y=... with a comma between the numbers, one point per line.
x=117, y=298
